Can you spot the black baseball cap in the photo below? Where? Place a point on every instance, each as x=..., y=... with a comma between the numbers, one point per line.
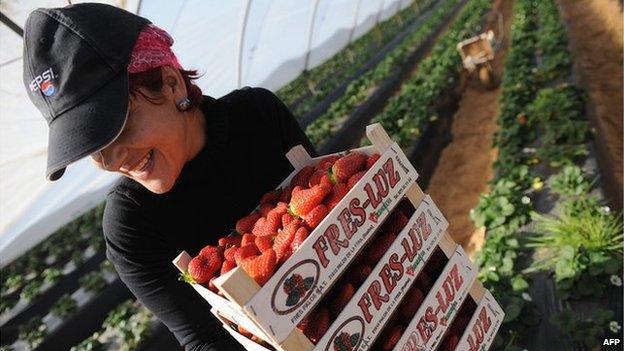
x=75, y=72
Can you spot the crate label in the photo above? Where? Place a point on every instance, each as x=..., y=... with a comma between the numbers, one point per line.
x=365, y=315
x=301, y=282
x=441, y=305
x=483, y=325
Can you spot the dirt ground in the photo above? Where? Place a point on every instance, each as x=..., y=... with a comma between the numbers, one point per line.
x=465, y=165
x=595, y=33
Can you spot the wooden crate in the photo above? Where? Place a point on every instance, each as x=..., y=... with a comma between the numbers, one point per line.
x=329, y=250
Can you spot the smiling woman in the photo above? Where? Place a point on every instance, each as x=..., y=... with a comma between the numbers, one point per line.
x=191, y=164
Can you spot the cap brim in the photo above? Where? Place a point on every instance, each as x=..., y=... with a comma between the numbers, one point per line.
x=88, y=127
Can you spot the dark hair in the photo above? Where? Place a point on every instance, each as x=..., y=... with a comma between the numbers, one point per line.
x=152, y=81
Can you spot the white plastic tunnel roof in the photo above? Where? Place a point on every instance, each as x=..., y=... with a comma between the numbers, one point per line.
x=232, y=43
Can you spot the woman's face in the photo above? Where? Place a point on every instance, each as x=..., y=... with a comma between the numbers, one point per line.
x=153, y=145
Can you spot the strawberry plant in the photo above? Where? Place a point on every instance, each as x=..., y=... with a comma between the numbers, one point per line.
x=583, y=246
x=31, y=290
x=33, y=331
x=52, y=275
x=64, y=306
x=93, y=281
x=571, y=180
x=360, y=89
x=409, y=112
x=312, y=86
x=588, y=332
x=91, y=343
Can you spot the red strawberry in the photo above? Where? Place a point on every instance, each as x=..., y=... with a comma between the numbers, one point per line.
x=246, y=333
x=264, y=242
x=285, y=237
x=392, y=338
x=285, y=255
x=202, y=268
x=358, y=273
x=423, y=282
x=347, y=166
x=271, y=197
x=410, y=304
x=211, y=286
x=260, y=268
x=229, y=253
x=317, y=325
x=245, y=224
x=303, y=201
x=209, y=251
x=326, y=162
x=338, y=192
x=227, y=266
x=342, y=297
x=272, y=223
x=300, y=236
x=315, y=178
x=355, y=178
x=232, y=240
x=449, y=343
x=370, y=161
x=264, y=209
x=302, y=177
x=395, y=222
x=314, y=218
x=286, y=219
x=286, y=191
x=248, y=238
x=259, y=226
x=244, y=252
x=378, y=248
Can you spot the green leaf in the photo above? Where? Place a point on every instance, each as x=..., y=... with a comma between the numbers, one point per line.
x=519, y=284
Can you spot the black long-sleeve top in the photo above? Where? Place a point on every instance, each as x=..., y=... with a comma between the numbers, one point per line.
x=248, y=133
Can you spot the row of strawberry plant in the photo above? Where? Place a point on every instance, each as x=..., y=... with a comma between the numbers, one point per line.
x=360, y=89
x=125, y=328
x=50, y=256
x=542, y=127
x=408, y=112
x=312, y=86
x=36, y=329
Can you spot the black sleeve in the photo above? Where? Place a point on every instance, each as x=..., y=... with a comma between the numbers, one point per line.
x=143, y=262
x=290, y=130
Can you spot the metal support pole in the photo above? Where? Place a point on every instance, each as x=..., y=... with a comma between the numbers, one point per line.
x=355, y=18
x=310, y=33
x=241, y=42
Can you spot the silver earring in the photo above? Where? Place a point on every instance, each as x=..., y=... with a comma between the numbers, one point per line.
x=184, y=104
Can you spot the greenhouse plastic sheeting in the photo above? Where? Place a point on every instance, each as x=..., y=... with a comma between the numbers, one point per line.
x=231, y=43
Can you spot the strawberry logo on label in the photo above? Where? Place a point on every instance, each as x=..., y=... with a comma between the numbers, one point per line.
x=294, y=290
x=296, y=287
x=346, y=342
x=348, y=336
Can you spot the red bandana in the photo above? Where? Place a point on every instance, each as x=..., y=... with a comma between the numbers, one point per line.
x=152, y=49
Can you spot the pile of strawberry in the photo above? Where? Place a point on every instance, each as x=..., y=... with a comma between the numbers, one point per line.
x=405, y=312
x=318, y=321
x=270, y=234
x=455, y=331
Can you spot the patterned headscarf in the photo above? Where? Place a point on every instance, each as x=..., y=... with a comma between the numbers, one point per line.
x=152, y=49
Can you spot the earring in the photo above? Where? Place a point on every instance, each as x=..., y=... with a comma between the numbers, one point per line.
x=183, y=104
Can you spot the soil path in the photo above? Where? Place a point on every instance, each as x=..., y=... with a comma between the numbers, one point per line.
x=595, y=34
x=465, y=165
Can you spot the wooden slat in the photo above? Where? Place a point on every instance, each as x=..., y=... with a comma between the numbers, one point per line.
x=298, y=157
x=378, y=136
x=237, y=286
x=181, y=261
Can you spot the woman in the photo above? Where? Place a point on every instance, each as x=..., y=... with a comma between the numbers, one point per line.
x=110, y=87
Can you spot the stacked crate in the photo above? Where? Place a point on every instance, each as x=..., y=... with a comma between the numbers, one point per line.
x=272, y=312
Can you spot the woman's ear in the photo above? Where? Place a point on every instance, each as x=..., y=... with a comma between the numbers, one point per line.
x=173, y=83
